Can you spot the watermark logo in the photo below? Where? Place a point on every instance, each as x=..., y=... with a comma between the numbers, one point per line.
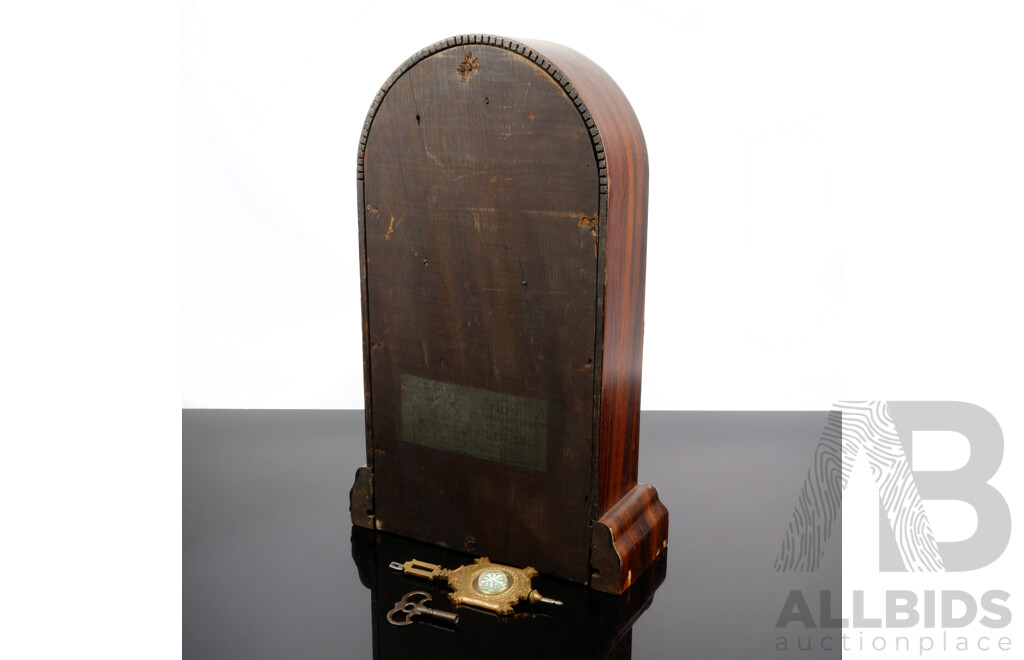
x=882, y=431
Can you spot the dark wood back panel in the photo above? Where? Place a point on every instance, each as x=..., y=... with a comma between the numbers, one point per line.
x=480, y=190
x=503, y=202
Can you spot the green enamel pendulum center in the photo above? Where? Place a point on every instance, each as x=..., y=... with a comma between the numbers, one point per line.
x=492, y=582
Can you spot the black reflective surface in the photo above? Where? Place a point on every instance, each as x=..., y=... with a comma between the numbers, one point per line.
x=588, y=624
x=272, y=567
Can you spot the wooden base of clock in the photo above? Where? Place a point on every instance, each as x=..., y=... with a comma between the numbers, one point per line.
x=502, y=216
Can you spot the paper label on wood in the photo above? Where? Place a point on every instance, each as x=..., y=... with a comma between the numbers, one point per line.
x=489, y=425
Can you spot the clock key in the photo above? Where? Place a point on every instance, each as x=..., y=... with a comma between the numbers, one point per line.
x=414, y=604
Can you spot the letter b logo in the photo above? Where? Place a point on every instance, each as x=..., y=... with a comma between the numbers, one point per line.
x=967, y=484
x=883, y=431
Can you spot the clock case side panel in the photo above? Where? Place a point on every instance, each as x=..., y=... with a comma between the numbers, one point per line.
x=623, y=229
x=630, y=529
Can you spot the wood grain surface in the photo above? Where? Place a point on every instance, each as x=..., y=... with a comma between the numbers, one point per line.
x=624, y=228
x=502, y=205
x=628, y=538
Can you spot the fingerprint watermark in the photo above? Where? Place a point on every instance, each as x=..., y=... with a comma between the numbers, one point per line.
x=899, y=619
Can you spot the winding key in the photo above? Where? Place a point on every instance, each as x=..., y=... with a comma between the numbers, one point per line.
x=414, y=604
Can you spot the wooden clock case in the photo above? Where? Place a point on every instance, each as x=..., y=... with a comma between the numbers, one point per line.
x=502, y=192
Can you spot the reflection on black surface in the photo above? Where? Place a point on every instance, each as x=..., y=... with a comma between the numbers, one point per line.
x=267, y=568
x=588, y=625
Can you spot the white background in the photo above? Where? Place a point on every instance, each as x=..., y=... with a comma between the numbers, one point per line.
x=835, y=207
x=832, y=202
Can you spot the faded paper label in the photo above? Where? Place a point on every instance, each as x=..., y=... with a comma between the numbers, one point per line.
x=466, y=420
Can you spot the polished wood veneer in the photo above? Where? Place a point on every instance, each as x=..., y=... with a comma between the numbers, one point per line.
x=502, y=217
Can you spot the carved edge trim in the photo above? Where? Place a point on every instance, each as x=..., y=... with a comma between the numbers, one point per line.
x=500, y=42
x=627, y=539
